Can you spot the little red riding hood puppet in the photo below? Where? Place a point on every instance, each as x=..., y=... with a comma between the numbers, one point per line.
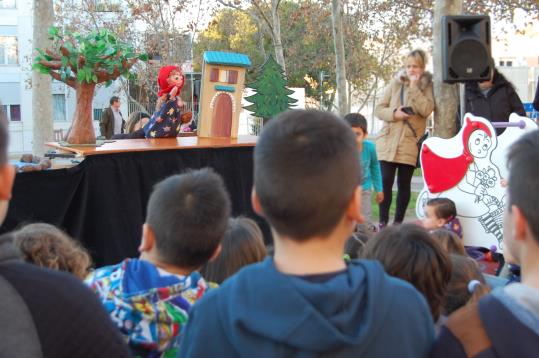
x=166, y=122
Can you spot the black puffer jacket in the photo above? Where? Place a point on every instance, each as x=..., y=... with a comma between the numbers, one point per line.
x=500, y=102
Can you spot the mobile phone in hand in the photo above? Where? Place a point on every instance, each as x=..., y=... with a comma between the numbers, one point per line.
x=408, y=110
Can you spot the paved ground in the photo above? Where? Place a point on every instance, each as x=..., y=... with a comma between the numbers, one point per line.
x=417, y=184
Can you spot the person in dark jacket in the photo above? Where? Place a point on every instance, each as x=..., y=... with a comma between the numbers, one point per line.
x=306, y=300
x=112, y=121
x=494, y=99
x=506, y=322
x=45, y=313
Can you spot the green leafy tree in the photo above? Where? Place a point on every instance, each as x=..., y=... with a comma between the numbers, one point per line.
x=272, y=95
x=82, y=62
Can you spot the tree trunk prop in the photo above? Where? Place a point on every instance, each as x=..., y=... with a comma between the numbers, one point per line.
x=82, y=129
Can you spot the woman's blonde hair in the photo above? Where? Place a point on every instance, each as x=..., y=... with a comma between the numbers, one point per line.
x=47, y=246
x=419, y=56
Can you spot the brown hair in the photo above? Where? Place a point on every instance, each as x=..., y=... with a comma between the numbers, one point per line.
x=465, y=271
x=47, y=246
x=408, y=252
x=444, y=208
x=419, y=56
x=449, y=241
x=243, y=244
x=133, y=119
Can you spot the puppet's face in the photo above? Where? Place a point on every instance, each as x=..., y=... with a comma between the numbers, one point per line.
x=175, y=78
x=479, y=144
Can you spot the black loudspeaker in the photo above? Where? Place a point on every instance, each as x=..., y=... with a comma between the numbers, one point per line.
x=466, y=48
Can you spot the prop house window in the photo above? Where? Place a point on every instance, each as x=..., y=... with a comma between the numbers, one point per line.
x=224, y=76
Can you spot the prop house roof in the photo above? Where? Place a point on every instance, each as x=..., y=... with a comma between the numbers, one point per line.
x=226, y=58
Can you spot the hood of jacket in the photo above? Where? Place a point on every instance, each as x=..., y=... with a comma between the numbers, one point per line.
x=498, y=82
x=424, y=82
x=150, y=307
x=347, y=310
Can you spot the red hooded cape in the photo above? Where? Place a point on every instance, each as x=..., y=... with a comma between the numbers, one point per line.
x=441, y=173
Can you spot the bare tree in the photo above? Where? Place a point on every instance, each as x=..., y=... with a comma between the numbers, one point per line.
x=340, y=68
x=445, y=95
x=43, y=17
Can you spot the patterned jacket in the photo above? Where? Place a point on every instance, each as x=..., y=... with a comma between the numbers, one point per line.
x=148, y=305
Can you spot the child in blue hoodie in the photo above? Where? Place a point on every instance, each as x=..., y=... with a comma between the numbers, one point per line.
x=149, y=298
x=307, y=300
x=372, y=176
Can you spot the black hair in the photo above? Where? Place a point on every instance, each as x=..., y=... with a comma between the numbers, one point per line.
x=188, y=214
x=306, y=169
x=444, y=208
x=114, y=99
x=357, y=120
x=356, y=243
x=523, y=186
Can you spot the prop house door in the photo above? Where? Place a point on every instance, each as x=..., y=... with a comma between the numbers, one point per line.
x=221, y=125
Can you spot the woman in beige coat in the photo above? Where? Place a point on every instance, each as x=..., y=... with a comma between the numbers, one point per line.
x=407, y=102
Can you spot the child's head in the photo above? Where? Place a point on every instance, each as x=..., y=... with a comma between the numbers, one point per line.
x=47, y=246
x=438, y=212
x=467, y=284
x=358, y=123
x=408, y=252
x=242, y=245
x=7, y=171
x=449, y=241
x=307, y=174
x=186, y=219
x=357, y=241
x=136, y=121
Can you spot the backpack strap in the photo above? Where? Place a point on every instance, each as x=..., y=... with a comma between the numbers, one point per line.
x=466, y=326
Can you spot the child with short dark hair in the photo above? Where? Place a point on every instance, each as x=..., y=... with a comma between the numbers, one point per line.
x=149, y=298
x=372, y=177
x=242, y=245
x=47, y=246
x=356, y=243
x=408, y=252
x=307, y=300
x=442, y=213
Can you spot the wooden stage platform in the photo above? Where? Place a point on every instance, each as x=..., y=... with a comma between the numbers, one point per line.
x=143, y=145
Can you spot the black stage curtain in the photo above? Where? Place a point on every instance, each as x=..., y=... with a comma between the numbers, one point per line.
x=102, y=201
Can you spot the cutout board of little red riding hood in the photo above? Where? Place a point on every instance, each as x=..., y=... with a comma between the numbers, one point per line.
x=469, y=169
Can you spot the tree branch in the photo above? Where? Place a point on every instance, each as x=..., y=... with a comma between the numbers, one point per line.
x=70, y=81
x=55, y=65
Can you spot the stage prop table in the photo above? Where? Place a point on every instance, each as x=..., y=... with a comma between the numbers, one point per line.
x=102, y=201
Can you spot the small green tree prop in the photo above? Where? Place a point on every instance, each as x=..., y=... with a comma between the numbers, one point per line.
x=272, y=95
x=81, y=62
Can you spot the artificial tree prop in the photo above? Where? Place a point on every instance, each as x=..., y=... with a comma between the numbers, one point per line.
x=272, y=95
x=82, y=62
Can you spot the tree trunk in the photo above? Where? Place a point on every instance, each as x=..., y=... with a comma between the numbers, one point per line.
x=340, y=69
x=445, y=95
x=82, y=129
x=42, y=130
x=277, y=44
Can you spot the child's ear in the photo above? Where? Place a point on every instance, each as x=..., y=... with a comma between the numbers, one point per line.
x=353, y=211
x=7, y=177
x=148, y=239
x=216, y=253
x=255, y=202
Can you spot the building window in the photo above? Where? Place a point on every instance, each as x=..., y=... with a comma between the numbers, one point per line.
x=8, y=4
x=59, y=107
x=224, y=76
x=12, y=112
x=98, y=112
x=8, y=50
x=509, y=63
